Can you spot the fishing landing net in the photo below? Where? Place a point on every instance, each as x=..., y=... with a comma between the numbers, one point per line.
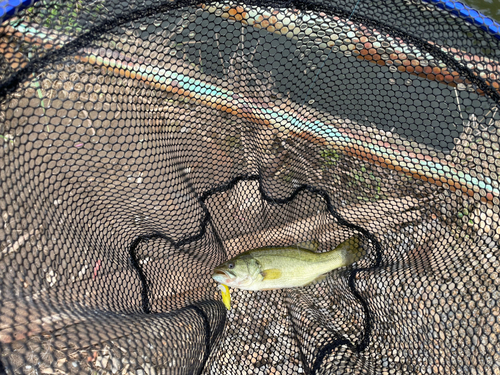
x=144, y=143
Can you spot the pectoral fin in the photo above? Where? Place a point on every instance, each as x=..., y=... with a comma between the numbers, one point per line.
x=271, y=274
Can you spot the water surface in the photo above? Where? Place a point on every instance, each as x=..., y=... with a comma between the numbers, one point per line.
x=490, y=8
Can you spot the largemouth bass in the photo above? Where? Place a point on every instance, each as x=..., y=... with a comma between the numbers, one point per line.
x=269, y=268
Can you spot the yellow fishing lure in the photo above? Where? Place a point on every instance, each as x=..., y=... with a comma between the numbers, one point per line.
x=226, y=296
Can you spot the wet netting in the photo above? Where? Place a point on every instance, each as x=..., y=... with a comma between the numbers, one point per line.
x=143, y=143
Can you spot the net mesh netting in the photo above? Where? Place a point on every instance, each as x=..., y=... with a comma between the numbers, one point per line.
x=144, y=143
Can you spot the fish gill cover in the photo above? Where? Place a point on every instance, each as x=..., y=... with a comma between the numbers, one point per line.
x=143, y=144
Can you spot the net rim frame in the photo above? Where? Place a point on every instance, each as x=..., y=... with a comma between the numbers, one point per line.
x=468, y=14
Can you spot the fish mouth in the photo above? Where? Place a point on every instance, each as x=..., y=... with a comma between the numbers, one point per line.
x=219, y=272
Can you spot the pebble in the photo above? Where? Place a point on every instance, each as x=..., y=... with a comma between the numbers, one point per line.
x=115, y=365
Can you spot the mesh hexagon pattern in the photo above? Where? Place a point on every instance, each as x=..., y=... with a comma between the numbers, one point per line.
x=145, y=143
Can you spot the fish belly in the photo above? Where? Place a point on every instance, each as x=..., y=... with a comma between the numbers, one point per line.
x=286, y=283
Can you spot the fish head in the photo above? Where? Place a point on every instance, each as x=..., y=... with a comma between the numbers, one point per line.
x=239, y=272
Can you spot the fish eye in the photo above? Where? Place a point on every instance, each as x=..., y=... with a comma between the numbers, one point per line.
x=230, y=266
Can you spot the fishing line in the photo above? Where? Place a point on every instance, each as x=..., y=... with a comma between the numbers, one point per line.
x=327, y=56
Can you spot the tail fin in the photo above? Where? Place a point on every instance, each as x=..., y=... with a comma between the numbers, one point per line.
x=351, y=250
x=343, y=255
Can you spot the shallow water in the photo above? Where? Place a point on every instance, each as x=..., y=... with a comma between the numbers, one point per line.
x=490, y=8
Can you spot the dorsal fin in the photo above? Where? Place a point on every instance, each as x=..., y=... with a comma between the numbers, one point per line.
x=308, y=245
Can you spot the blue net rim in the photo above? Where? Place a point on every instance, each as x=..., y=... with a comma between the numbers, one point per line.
x=469, y=14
